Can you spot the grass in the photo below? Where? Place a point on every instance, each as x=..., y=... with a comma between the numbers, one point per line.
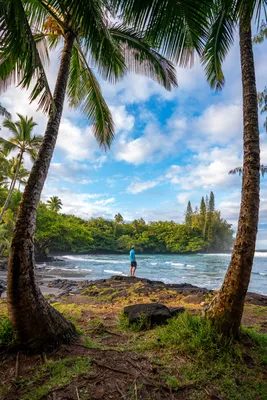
x=142, y=324
x=90, y=344
x=55, y=374
x=235, y=368
x=7, y=337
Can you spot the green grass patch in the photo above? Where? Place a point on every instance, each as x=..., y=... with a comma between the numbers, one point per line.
x=55, y=374
x=234, y=368
x=143, y=323
x=90, y=344
x=7, y=336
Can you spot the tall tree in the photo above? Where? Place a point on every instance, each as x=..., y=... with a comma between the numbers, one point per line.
x=54, y=203
x=223, y=16
x=211, y=202
x=88, y=41
x=118, y=218
x=227, y=306
x=203, y=215
x=188, y=215
x=23, y=141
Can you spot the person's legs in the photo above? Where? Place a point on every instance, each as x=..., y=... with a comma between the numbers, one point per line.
x=131, y=269
x=134, y=269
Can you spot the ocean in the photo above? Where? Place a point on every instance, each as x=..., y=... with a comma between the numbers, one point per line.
x=203, y=270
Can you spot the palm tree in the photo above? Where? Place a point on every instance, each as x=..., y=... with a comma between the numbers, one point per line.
x=226, y=309
x=161, y=19
x=54, y=203
x=23, y=141
x=88, y=41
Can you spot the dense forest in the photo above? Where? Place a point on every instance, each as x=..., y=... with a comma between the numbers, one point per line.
x=202, y=230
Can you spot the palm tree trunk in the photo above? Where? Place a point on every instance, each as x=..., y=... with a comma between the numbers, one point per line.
x=12, y=186
x=37, y=324
x=227, y=307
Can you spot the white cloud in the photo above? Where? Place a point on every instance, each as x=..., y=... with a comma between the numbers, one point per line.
x=138, y=187
x=183, y=198
x=210, y=171
x=122, y=119
x=153, y=145
x=83, y=205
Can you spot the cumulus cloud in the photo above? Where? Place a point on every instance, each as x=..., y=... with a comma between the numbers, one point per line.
x=210, y=170
x=83, y=205
x=153, y=145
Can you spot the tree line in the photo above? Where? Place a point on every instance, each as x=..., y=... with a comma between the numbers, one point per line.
x=202, y=230
x=90, y=40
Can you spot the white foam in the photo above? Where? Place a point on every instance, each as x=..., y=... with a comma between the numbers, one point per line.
x=106, y=261
x=262, y=274
x=69, y=269
x=111, y=271
x=75, y=258
x=260, y=254
x=154, y=263
x=218, y=254
x=190, y=266
x=177, y=264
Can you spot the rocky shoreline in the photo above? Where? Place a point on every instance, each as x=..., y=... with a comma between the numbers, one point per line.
x=117, y=286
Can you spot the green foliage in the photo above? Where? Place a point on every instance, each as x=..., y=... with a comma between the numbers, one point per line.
x=66, y=233
x=6, y=332
x=211, y=359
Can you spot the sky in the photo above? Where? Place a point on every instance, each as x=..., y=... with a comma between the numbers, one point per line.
x=169, y=147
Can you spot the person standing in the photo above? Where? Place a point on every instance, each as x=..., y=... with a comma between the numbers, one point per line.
x=133, y=262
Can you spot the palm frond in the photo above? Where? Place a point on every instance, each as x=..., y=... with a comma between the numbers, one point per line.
x=90, y=20
x=176, y=27
x=84, y=91
x=4, y=112
x=20, y=60
x=140, y=58
x=223, y=23
x=239, y=170
x=7, y=145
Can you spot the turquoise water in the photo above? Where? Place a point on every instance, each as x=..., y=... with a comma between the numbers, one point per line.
x=204, y=270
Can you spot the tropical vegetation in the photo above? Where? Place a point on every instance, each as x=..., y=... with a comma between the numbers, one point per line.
x=22, y=141
x=202, y=230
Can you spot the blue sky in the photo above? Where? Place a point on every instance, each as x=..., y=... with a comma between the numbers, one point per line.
x=170, y=147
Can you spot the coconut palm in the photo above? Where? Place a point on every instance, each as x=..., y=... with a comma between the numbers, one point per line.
x=54, y=203
x=22, y=140
x=89, y=42
x=227, y=306
x=161, y=19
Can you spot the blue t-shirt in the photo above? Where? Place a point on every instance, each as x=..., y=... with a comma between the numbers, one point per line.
x=132, y=255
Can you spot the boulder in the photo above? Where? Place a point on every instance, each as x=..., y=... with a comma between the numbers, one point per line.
x=152, y=313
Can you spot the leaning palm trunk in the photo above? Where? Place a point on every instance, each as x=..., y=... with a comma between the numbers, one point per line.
x=36, y=323
x=12, y=187
x=227, y=307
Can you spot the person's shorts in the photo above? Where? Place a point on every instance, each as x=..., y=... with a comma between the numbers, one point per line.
x=133, y=264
